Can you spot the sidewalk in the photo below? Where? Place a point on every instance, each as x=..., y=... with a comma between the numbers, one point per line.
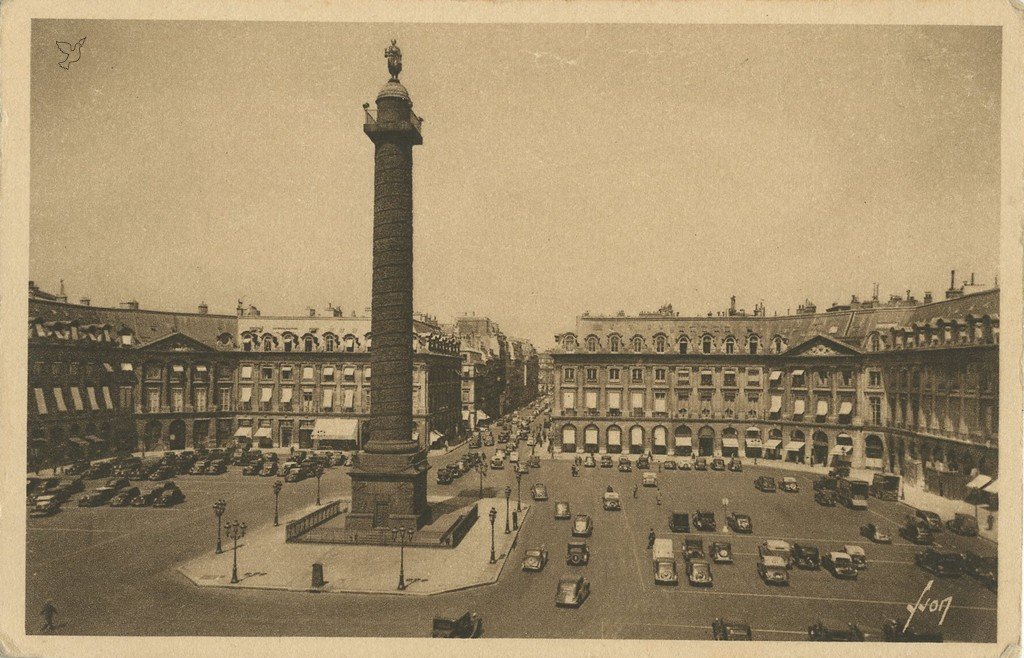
x=265, y=561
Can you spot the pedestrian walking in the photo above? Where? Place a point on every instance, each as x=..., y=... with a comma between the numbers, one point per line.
x=991, y=520
x=650, y=539
x=48, y=612
x=636, y=488
x=659, y=497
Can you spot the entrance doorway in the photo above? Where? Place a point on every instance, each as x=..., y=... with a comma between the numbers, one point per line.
x=176, y=435
x=706, y=442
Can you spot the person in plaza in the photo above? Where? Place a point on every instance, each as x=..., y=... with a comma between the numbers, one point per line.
x=659, y=497
x=636, y=488
x=650, y=539
x=48, y=612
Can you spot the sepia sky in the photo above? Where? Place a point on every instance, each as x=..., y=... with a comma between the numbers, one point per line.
x=565, y=168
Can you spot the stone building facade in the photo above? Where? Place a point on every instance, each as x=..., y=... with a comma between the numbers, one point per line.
x=903, y=388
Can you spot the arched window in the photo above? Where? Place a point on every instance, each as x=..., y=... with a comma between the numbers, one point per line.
x=873, y=447
x=308, y=343
x=754, y=344
x=592, y=343
x=705, y=344
x=569, y=343
x=289, y=342
x=777, y=345
x=246, y=342
x=330, y=342
x=638, y=344
x=730, y=345
x=876, y=343
x=613, y=343
x=684, y=345
x=349, y=342
x=659, y=344
x=268, y=343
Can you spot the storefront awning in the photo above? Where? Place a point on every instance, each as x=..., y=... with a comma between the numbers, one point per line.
x=106, y=398
x=614, y=438
x=822, y=409
x=840, y=450
x=480, y=415
x=178, y=368
x=90, y=392
x=775, y=376
x=286, y=394
x=793, y=446
x=659, y=440
x=776, y=404
x=262, y=433
x=126, y=367
x=772, y=444
x=590, y=437
x=336, y=428
x=265, y=393
x=730, y=443
x=201, y=368
x=979, y=482
x=684, y=441
x=243, y=432
x=798, y=407
x=753, y=443
x=845, y=408
x=753, y=432
x=992, y=488
x=246, y=393
x=40, y=401
x=798, y=373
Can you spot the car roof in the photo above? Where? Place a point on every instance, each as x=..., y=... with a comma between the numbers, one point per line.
x=774, y=561
x=777, y=545
x=835, y=555
x=853, y=549
x=569, y=580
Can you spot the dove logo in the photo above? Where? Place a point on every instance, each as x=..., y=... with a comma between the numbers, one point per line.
x=72, y=53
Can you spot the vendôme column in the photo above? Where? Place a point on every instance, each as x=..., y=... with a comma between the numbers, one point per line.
x=389, y=478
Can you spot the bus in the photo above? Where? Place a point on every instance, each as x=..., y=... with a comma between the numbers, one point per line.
x=853, y=493
x=885, y=487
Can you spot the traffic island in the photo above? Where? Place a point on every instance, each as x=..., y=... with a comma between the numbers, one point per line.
x=267, y=561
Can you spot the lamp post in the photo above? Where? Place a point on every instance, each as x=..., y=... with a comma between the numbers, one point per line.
x=318, y=473
x=277, y=498
x=508, y=494
x=401, y=535
x=519, y=491
x=493, y=514
x=235, y=531
x=218, y=509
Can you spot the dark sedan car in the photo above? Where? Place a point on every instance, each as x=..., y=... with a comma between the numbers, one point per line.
x=940, y=563
x=821, y=633
x=124, y=497
x=825, y=498
x=916, y=532
x=893, y=631
x=169, y=498
x=97, y=497
x=765, y=484
x=876, y=534
x=118, y=483
x=679, y=522
x=704, y=521
x=717, y=464
x=468, y=625
x=269, y=469
x=806, y=557
x=730, y=630
x=984, y=569
x=148, y=498
x=740, y=523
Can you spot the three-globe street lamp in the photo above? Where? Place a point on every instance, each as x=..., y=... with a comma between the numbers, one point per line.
x=218, y=509
x=402, y=535
x=318, y=472
x=493, y=514
x=235, y=531
x=508, y=494
x=277, y=498
x=519, y=491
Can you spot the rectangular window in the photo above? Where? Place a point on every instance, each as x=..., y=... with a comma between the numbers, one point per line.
x=753, y=377
x=707, y=378
x=798, y=379
x=659, y=375
x=328, y=373
x=637, y=401
x=307, y=373
x=328, y=399
x=152, y=400
x=729, y=396
x=246, y=372
x=348, y=397
x=73, y=369
x=224, y=397
x=266, y=395
x=286, y=373
x=245, y=401
x=568, y=400
x=177, y=373
x=127, y=398
x=177, y=400
x=822, y=379
x=729, y=379
x=660, y=402
x=569, y=374
x=590, y=397
x=199, y=393
x=613, y=374
x=874, y=378
x=614, y=402
x=591, y=374
x=307, y=400
x=349, y=374
x=683, y=377
x=846, y=378
x=76, y=398
x=267, y=373
x=876, y=410
x=705, y=396
x=753, y=396
x=638, y=375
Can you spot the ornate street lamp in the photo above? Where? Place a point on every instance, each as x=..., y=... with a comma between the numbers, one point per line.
x=218, y=509
x=508, y=494
x=318, y=472
x=235, y=531
x=277, y=498
x=493, y=514
x=402, y=535
x=519, y=491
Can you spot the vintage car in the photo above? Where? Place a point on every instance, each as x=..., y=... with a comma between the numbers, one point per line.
x=826, y=483
x=916, y=531
x=170, y=497
x=444, y=476
x=735, y=465
x=577, y=554
x=704, y=521
x=940, y=563
x=693, y=548
x=253, y=468
x=700, y=464
x=698, y=572
x=933, y=520
x=983, y=569
x=488, y=440
x=894, y=630
x=773, y=570
x=739, y=523
x=40, y=486
x=562, y=510
x=806, y=557
x=722, y=629
x=649, y=479
x=148, y=498
x=625, y=466
x=199, y=468
x=535, y=559
x=124, y=497
x=533, y=462
x=497, y=463
x=765, y=484
x=539, y=491
x=611, y=501
x=589, y=461
x=582, y=526
x=686, y=465
x=669, y=465
x=513, y=457
x=97, y=497
x=963, y=524
x=856, y=553
x=269, y=469
x=571, y=592
x=469, y=625
x=778, y=548
x=298, y=474
x=216, y=467
x=875, y=533
x=607, y=461
x=118, y=483
x=840, y=565
x=717, y=464
x=666, y=572
x=789, y=485
x=825, y=498
x=721, y=552
x=80, y=467
x=819, y=632
x=45, y=506
x=163, y=473
x=521, y=467
x=679, y=522
x=643, y=462
x=99, y=470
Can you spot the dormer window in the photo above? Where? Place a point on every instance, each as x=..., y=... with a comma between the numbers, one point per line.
x=754, y=344
x=730, y=345
x=705, y=344
x=592, y=343
x=330, y=342
x=684, y=345
x=308, y=343
x=268, y=343
x=289, y=343
x=777, y=345
x=659, y=344
x=638, y=344
x=613, y=344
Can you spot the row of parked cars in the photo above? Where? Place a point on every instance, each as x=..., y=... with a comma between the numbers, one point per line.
x=646, y=462
x=892, y=631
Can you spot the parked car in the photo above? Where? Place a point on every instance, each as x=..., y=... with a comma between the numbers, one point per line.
x=700, y=464
x=685, y=465
x=857, y=556
x=789, y=485
x=124, y=497
x=916, y=531
x=739, y=523
x=97, y=497
x=169, y=498
x=533, y=462
x=735, y=465
x=562, y=510
x=826, y=483
x=607, y=461
x=704, y=521
x=963, y=524
x=940, y=563
x=80, y=467
x=572, y=591
x=778, y=548
x=643, y=462
x=983, y=569
x=47, y=505
x=649, y=480
x=819, y=632
x=118, y=483
x=298, y=474
x=840, y=565
x=148, y=498
x=765, y=484
x=773, y=570
x=199, y=468
x=582, y=526
x=99, y=470
x=444, y=476
x=535, y=559
x=163, y=473
x=668, y=465
x=577, y=554
x=721, y=552
x=806, y=557
x=693, y=548
x=539, y=491
x=679, y=522
x=717, y=464
x=730, y=630
x=253, y=468
x=468, y=625
x=932, y=519
x=698, y=572
x=589, y=461
x=825, y=498
x=611, y=501
x=875, y=533
x=513, y=457
x=625, y=466
x=216, y=467
x=893, y=631
x=497, y=463
x=269, y=469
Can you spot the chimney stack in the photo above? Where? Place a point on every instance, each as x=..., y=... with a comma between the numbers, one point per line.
x=239, y=309
x=952, y=279
x=928, y=297
x=203, y=308
x=84, y=301
x=62, y=297
x=312, y=311
x=131, y=305
x=972, y=278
